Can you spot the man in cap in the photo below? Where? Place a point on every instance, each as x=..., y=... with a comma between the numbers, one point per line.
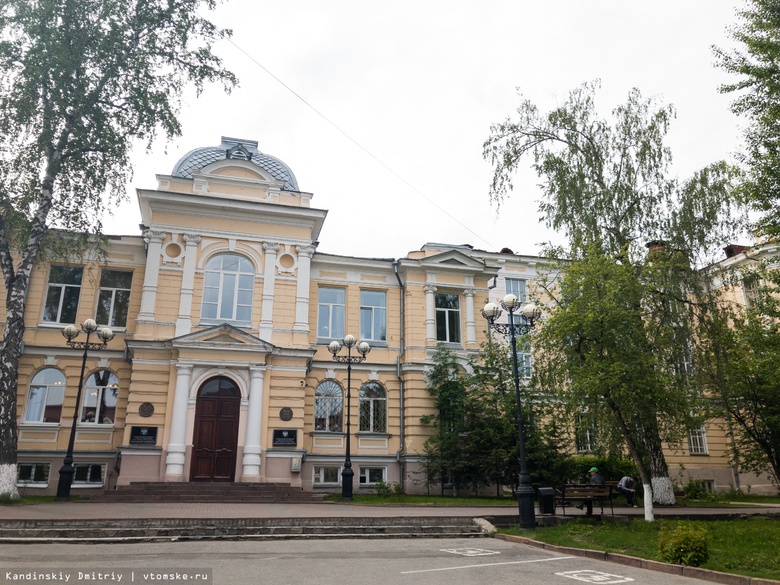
x=595, y=479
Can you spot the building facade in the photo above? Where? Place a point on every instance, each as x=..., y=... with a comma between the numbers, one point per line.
x=223, y=310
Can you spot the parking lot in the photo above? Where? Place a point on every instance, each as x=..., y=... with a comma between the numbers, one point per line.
x=316, y=561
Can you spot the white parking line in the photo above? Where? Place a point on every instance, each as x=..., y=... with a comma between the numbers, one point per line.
x=485, y=565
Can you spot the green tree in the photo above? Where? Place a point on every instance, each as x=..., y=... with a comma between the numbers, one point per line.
x=475, y=440
x=758, y=97
x=622, y=319
x=741, y=363
x=81, y=81
x=446, y=453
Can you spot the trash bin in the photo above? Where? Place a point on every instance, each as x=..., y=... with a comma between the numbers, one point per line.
x=546, y=500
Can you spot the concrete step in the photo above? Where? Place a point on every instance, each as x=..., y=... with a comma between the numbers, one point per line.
x=208, y=492
x=241, y=528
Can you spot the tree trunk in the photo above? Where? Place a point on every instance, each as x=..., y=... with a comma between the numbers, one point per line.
x=9, y=366
x=663, y=490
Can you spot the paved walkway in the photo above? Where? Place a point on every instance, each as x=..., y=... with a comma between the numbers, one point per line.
x=85, y=510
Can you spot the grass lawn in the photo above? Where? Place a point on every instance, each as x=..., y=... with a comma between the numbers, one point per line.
x=25, y=500
x=410, y=500
x=745, y=547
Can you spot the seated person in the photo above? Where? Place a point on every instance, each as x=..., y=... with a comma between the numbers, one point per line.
x=627, y=487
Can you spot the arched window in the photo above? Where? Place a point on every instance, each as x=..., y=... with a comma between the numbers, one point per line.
x=99, y=400
x=44, y=401
x=373, y=408
x=328, y=407
x=227, y=289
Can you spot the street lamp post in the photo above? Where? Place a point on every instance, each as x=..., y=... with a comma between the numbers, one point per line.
x=70, y=333
x=529, y=314
x=363, y=348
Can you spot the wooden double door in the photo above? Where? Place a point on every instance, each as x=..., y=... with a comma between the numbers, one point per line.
x=215, y=440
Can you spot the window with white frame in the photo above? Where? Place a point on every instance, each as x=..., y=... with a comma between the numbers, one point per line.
x=517, y=287
x=32, y=474
x=326, y=475
x=100, y=395
x=584, y=434
x=88, y=474
x=373, y=315
x=524, y=360
x=44, y=400
x=373, y=475
x=113, y=298
x=62, y=294
x=448, y=317
x=331, y=310
x=697, y=441
x=228, y=285
x=373, y=408
x=328, y=407
x=751, y=285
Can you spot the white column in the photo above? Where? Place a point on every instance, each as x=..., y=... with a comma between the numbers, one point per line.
x=153, y=241
x=430, y=312
x=254, y=424
x=269, y=277
x=471, y=326
x=184, y=320
x=174, y=462
x=302, y=292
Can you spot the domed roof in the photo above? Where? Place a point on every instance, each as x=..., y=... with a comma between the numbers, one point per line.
x=239, y=149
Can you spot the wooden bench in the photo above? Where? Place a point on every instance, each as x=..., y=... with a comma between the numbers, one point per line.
x=584, y=493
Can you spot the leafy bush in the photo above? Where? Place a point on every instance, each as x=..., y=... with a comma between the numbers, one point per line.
x=382, y=489
x=685, y=544
x=696, y=489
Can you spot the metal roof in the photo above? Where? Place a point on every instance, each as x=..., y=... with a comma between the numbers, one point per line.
x=239, y=149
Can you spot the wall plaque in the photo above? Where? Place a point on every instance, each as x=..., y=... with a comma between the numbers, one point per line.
x=285, y=438
x=146, y=409
x=143, y=435
x=286, y=413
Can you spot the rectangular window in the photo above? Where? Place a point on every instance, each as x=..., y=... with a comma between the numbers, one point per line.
x=697, y=441
x=326, y=475
x=89, y=474
x=517, y=287
x=372, y=475
x=331, y=311
x=524, y=361
x=584, y=434
x=62, y=294
x=32, y=474
x=113, y=298
x=373, y=315
x=448, y=318
x=750, y=287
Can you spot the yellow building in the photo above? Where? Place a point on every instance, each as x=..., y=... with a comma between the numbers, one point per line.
x=223, y=311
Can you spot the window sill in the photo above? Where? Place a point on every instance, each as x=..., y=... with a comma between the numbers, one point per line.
x=699, y=454
x=36, y=486
x=236, y=324
x=374, y=434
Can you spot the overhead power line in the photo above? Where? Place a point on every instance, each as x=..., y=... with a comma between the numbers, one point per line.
x=358, y=144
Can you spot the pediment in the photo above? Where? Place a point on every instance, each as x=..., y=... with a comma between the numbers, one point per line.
x=224, y=336
x=453, y=259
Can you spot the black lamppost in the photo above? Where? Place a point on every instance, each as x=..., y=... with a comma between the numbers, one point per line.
x=527, y=316
x=70, y=333
x=363, y=348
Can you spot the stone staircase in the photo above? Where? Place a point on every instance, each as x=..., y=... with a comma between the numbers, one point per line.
x=140, y=529
x=229, y=493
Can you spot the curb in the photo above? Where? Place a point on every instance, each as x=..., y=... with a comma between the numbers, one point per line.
x=682, y=570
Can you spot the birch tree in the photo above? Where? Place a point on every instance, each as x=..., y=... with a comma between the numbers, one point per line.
x=81, y=81
x=608, y=187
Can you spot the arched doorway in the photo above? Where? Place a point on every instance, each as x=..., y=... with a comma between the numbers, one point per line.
x=216, y=431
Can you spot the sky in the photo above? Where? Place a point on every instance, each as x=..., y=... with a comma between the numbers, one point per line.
x=387, y=104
